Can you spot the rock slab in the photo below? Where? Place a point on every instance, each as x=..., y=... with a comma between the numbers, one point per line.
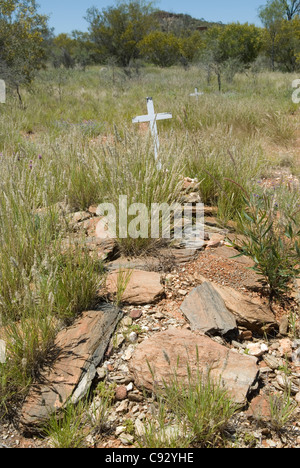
x=144, y=287
x=206, y=311
x=260, y=409
x=156, y=359
x=78, y=349
x=248, y=312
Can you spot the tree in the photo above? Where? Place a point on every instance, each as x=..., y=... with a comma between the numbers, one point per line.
x=191, y=46
x=63, y=51
x=230, y=48
x=292, y=8
x=240, y=42
x=282, y=33
x=84, y=49
x=22, y=51
x=162, y=49
x=289, y=9
x=272, y=16
x=70, y=50
x=117, y=31
x=288, y=44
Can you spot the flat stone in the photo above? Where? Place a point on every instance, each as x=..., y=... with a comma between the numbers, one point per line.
x=120, y=430
x=126, y=439
x=134, y=397
x=142, y=263
x=216, y=240
x=297, y=290
x=79, y=349
x=257, y=349
x=166, y=259
x=101, y=373
x=230, y=252
x=284, y=326
x=246, y=335
x=273, y=362
x=118, y=340
x=140, y=428
x=144, y=287
x=249, y=312
x=135, y=314
x=93, y=209
x=206, y=311
x=296, y=357
x=181, y=256
x=260, y=409
x=182, y=292
x=126, y=322
x=285, y=347
x=128, y=353
x=123, y=407
x=78, y=217
x=175, y=350
x=105, y=249
x=286, y=384
x=133, y=337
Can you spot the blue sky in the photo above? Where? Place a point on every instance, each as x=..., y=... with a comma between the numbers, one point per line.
x=66, y=15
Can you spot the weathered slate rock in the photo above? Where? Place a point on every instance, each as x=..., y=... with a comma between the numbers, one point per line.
x=79, y=350
x=180, y=256
x=165, y=259
x=230, y=253
x=260, y=409
x=206, y=311
x=105, y=249
x=249, y=312
x=155, y=360
x=144, y=287
x=140, y=263
x=296, y=291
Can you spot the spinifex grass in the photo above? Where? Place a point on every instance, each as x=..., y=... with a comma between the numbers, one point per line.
x=129, y=170
x=197, y=409
x=43, y=285
x=282, y=409
x=271, y=239
x=68, y=430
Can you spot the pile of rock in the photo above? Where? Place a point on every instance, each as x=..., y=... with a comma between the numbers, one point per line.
x=216, y=328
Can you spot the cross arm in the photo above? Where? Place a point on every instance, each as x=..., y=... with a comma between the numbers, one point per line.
x=163, y=116
x=150, y=118
x=141, y=119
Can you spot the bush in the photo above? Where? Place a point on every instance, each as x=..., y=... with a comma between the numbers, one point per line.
x=160, y=48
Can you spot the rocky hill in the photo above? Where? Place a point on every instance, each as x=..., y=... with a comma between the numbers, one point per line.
x=180, y=23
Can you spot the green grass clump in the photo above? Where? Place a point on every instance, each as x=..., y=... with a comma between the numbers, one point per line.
x=193, y=413
x=271, y=239
x=68, y=430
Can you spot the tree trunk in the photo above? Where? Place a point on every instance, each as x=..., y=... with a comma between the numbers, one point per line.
x=273, y=55
x=19, y=96
x=219, y=81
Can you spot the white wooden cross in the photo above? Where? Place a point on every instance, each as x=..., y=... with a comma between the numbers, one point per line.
x=196, y=94
x=2, y=92
x=152, y=119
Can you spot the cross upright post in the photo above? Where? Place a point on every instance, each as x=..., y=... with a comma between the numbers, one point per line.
x=2, y=92
x=152, y=118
